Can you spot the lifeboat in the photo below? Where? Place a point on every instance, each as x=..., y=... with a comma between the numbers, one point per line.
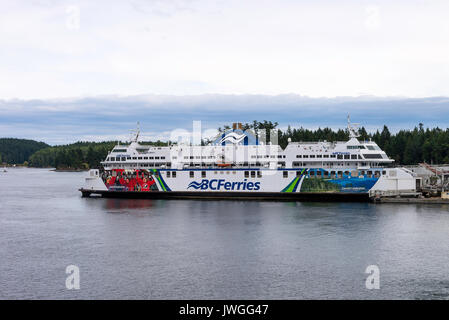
x=223, y=165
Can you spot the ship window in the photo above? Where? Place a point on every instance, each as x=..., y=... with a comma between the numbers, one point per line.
x=246, y=174
x=318, y=173
x=203, y=174
x=162, y=157
x=371, y=148
x=340, y=174
x=312, y=156
x=185, y=157
x=346, y=156
x=339, y=156
x=279, y=156
x=145, y=158
x=299, y=156
x=377, y=174
x=259, y=174
x=298, y=173
x=128, y=158
x=156, y=158
x=134, y=158
x=370, y=173
x=192, y=174
x=384, y=173
x=332, y=155
x=140, y=158
x=123, y=158
x=319, y=155
x=253, y=174
x=373, y=156
x=168, y=174
x=285, y=174
x=173, y=174
x=326, y=156
x=353, y=156
x=312, y=173
x=305, y=156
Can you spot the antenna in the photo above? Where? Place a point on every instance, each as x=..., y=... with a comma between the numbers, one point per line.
x=353, y=128
x=136, y=132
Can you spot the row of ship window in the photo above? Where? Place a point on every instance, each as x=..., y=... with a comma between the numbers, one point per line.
x=337, y=156
x=285, y=174
x=222, y=157
x=133, y=158
x=299, y=156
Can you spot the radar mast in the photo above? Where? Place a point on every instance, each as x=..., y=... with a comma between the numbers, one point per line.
x=353, y=128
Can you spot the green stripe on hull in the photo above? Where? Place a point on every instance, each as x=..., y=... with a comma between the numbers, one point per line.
x=292, y=186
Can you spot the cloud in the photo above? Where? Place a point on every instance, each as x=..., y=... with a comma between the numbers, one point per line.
x=316, y=48
x=59, y=121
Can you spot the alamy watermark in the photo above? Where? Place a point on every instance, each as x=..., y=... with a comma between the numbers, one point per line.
x=373, y=279
x=72, y=282
x=72, y=21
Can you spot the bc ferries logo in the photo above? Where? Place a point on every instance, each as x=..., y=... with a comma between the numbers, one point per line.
x=233, y=137
x=221, y=184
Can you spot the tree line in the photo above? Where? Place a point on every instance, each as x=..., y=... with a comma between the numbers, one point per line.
x=406, y=147
x=79, y=155
x=421, y=144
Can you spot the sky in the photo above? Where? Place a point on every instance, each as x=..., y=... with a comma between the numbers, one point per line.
x=56, y=57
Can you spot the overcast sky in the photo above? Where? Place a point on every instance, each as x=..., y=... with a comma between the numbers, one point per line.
x=54, y=48
x=56, y=55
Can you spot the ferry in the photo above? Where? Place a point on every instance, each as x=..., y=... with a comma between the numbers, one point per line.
x=238, y=164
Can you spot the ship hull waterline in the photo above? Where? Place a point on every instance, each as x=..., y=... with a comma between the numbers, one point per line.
x=204, y=195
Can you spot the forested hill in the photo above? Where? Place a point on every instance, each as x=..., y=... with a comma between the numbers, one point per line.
x=17, y=151
x=79, y=155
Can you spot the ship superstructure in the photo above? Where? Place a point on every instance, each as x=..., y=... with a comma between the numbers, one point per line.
x=239, y=163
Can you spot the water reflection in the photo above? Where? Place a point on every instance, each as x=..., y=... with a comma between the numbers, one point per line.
x=117, y=204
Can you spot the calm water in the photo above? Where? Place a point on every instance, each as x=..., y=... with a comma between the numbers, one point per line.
x=143, y=249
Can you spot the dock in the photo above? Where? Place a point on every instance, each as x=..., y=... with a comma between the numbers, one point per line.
x=433, y=200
